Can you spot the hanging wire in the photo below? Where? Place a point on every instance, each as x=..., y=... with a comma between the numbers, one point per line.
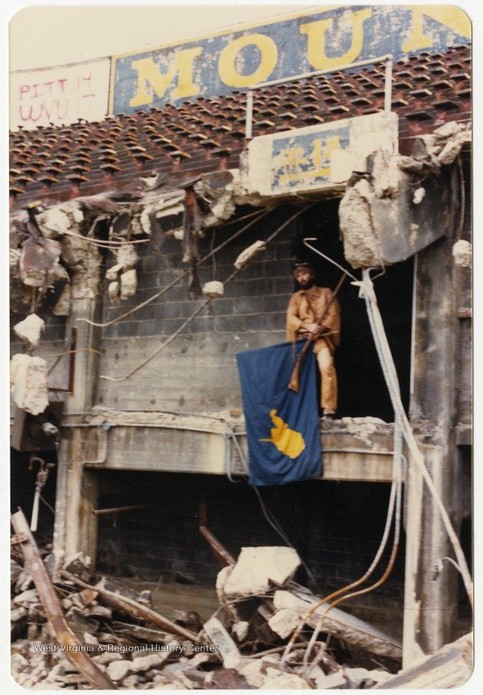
x=195, y=312
x=105, y=244
x=402, y=430
x=381, y=580
x=266, y=512
x=344, y=270
x=47, y=504
x=212, y=246
x=393, y=513
x=389, y=370
x=176, y=280
x=148, y=359
x=65, y=351
x=395, y=492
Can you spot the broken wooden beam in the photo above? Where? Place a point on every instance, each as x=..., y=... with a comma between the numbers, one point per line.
x=120, y=510
x=69, y=644
x=221, y=553
x=133, y=608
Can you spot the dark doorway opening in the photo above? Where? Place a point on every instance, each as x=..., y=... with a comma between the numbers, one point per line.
x=362, y=389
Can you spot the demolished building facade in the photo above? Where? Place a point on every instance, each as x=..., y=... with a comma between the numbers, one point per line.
x=149, y=248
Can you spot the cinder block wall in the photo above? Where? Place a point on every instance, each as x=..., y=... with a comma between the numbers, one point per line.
x=197, y=370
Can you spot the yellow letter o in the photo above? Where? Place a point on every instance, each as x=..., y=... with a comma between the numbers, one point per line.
x=227, y=68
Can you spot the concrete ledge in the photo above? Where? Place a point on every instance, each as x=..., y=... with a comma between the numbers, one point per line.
x=357, y=449
x=353, y=449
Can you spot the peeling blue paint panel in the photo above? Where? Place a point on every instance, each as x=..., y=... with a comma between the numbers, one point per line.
x=299, y=162
x=319, y=40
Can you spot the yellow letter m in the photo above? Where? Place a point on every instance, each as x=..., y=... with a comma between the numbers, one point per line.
x=151, y=82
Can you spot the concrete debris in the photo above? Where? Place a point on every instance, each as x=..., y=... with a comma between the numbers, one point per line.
x=128, y=284
x=247, y=254
x=419, y=194
x=363, y=428
x=257, y=569
x=213, y=289
x=257, y=671
x=58, y=248
x=443, y=146
x=225, y=645
x=217, y=190
x=165, y=211
x=38, y=258
x=233, y=649
x=386, y=215
x=336, y=622
x=28, y=383
x=286, y=681
x=61, y=244
x=362, y=247
x=123, y=275
x=126, y=259
x=60, y=219
x=463, y=254
x=30, y=329
x=113, y=292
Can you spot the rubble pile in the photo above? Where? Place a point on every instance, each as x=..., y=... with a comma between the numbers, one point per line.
x=244, y=645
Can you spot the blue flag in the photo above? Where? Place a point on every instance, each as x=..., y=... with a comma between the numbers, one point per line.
x=283, y=427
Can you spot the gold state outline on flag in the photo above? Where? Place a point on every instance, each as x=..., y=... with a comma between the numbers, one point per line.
x=288, y=441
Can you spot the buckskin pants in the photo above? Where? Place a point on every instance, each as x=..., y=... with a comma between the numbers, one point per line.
x=328, y=377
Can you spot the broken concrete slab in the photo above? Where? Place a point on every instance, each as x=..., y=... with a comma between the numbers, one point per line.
x=128, y=284
x=28, y=383
x=30, y=329
x=37, y=260
x=257, y=670
x=338, y=623
x=331, y=681
x=450, y=667
x=401, y=204
x=222, y=641
x=257, y=569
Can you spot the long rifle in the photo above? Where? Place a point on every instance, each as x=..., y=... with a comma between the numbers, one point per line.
x=294, y=383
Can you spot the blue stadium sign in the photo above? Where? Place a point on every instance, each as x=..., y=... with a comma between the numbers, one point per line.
x=317, y=40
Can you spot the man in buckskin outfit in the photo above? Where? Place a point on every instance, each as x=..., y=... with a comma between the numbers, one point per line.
x=305, y=308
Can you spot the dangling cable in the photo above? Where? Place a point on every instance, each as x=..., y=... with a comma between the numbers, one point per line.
x=194, y=313
x=389, y=370
x=395, y=494
x=267, y=514
x=395, y=491
x=176, y=280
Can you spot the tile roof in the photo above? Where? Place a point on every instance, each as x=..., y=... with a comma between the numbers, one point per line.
x=180, y=142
